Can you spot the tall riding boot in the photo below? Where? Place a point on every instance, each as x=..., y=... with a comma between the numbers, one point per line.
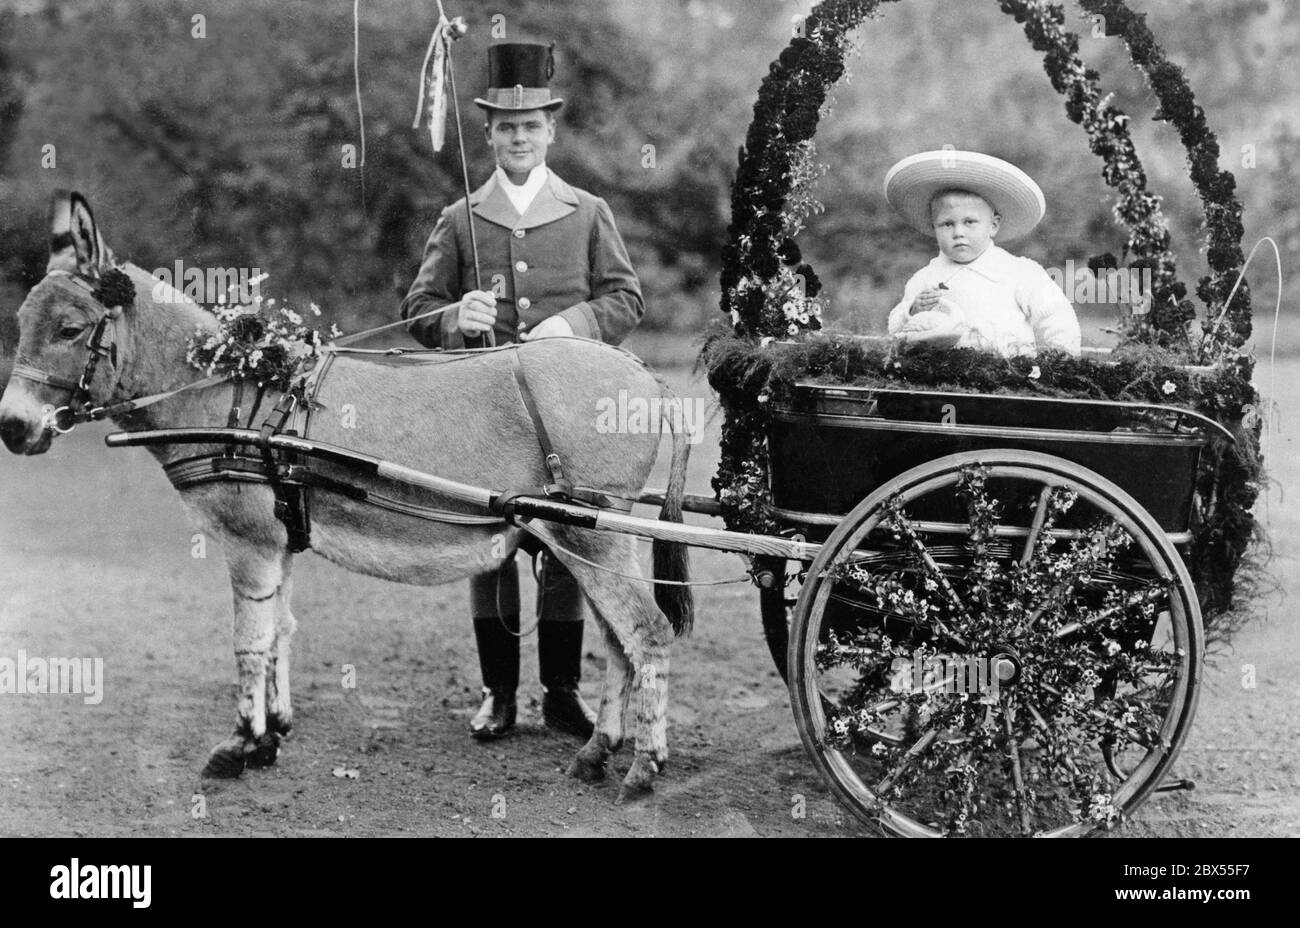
x=559, y=652
x=498, y=658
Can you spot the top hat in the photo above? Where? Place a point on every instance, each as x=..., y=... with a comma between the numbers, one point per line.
x=518, y=77
x=912, y=183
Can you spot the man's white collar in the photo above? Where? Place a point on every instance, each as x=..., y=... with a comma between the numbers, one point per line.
x=521, y=195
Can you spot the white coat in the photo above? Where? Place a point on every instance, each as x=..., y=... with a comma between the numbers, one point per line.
x=1008, y=304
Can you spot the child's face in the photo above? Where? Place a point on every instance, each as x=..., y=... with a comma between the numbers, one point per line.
x=964, y=225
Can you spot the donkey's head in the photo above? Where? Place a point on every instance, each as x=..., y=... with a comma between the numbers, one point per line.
x=68, y=319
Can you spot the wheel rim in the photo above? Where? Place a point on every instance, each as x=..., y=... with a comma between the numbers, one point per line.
x=1072, y=727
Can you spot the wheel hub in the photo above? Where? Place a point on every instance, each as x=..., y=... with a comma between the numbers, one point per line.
x=1005, y=666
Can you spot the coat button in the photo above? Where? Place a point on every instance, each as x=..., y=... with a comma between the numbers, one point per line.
x=524, y=302
x=519, y=233
x=521, y=266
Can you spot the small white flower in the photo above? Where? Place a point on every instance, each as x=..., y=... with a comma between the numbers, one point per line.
x=791, y=311
x=315, y=310
x=803, y=318
x=292, y=316
x=335, y=331
x=1169, y=387
x=793, y=329
x=1035, y=373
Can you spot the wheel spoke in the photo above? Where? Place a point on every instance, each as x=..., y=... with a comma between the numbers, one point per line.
x=1013, y=750
x=1100, y=716
x=1088, y=561
x=915, y=751
x=1149, y=596
x=904, y=527
x=1040, y=517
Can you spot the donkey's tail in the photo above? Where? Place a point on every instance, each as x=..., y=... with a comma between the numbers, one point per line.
x=672, y=559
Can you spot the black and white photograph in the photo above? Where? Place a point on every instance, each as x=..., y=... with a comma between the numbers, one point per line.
x=714, y=418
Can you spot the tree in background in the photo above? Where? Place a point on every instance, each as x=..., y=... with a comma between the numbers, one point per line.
x=228, y=150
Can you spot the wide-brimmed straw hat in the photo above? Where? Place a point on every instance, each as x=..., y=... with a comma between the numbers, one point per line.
x=913, y=182
x=519, y=75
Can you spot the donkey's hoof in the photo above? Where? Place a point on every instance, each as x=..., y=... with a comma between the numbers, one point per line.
x=279, y=724
x=586, y=770
x=640, y=779
x=224, y=763
x=265, y=752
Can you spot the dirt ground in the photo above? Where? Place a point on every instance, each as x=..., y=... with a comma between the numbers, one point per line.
x=96, y=559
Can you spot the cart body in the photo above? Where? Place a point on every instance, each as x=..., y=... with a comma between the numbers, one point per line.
x=832, y=445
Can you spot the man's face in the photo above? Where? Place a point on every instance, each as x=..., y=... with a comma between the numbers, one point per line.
x=519, y=140
x=964, y=225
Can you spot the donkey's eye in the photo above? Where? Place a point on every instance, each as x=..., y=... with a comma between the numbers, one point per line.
x=69, y=332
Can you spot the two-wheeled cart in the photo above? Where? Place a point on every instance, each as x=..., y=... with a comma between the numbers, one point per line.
x=994, y=630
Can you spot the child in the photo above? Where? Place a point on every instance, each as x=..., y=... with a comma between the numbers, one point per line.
x=974, y=294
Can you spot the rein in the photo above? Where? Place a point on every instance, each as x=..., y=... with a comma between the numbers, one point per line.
x=80, y=406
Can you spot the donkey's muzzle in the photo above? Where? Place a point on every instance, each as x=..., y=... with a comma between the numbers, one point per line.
x=15, y=432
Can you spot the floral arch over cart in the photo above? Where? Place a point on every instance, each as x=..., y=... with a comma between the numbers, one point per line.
x=889, y=584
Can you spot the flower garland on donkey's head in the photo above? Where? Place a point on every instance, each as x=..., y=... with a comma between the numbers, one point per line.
x=775, y=305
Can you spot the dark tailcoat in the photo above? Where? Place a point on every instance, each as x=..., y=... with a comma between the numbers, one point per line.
x=563, y=257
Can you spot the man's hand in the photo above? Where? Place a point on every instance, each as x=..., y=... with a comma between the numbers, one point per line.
x=478, y=311
x=925, y=301
x=550, y=327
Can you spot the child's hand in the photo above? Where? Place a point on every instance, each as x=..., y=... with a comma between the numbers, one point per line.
x=925, y=300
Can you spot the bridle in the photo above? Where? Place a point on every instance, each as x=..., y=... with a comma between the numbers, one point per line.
x=79, y=407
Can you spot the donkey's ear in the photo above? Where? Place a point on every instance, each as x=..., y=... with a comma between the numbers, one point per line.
x=75, y=243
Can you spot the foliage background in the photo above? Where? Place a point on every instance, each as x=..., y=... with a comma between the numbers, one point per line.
x=225, y=151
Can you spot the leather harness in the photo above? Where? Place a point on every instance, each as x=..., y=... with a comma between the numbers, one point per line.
x=291, y=478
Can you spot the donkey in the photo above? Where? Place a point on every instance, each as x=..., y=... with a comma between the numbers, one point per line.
x=462, y=419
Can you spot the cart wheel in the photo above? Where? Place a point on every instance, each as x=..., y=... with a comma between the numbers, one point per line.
x=995, y=643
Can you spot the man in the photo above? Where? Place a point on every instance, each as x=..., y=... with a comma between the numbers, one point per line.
x=553, y=264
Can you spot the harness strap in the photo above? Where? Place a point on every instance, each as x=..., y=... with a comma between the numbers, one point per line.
x=95, y=345
x=26, y=372
x=311, y=386
x=559, y=485
x=236, y=406
x=189, y=472
x=292, y=504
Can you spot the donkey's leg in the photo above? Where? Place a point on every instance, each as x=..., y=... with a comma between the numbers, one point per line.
x=608, y=735
x=279, y=709
x=255, y=577
x=628, y=610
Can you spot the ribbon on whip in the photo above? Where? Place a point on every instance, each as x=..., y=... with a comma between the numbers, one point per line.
x=433, y=80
